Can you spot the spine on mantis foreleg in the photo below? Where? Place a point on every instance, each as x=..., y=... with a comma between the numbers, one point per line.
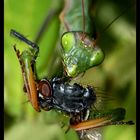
x=78, y=45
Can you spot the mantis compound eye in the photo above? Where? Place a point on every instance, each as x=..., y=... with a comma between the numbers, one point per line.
x=68, y=41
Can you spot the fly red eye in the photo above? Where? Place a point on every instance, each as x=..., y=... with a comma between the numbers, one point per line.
x=44, y=88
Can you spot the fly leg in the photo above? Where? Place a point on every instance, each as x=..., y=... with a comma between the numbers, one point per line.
x=79, y=117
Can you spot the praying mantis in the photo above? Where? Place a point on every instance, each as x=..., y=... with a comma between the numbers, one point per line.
x=81, y=26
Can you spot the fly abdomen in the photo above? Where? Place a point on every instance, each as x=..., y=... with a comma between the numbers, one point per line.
x=72, y=98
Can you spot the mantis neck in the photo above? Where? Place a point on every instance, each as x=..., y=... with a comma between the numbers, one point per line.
x=73, y=19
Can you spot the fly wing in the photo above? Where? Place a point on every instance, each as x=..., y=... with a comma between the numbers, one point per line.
x=91, y=134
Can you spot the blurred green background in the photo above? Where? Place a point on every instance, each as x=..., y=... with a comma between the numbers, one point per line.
x=116, y=75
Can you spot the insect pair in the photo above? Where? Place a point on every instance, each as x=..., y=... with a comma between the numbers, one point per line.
x=57, y=93
x=79, y=54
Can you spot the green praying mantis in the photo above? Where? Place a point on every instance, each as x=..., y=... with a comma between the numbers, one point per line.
x=79, y=52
